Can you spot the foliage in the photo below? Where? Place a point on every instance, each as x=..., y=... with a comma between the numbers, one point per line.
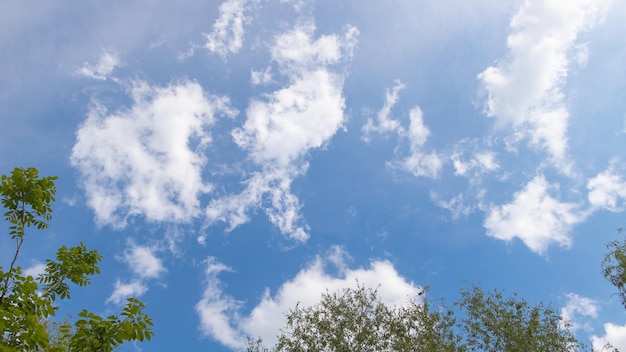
x=27, y=304
x=614, y=267
x=496, y=323
x=357, y=320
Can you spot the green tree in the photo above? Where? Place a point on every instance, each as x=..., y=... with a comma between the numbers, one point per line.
x=27, y=304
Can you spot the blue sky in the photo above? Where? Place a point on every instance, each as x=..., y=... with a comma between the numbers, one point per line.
x=232, y=159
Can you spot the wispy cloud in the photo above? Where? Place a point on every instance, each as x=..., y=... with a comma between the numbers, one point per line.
x=101, y=70
x=221, y=315
x=384, y=123
x=145, y=265
x=148, y=159
x=418, y=162
x=525, y=89
x=535, y=217
x=227, y=35
x=217, y=310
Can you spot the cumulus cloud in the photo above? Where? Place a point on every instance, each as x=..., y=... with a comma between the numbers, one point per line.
x=227, y=35
x=535, y=217
x=147, y=159
x=525, y=89
x=102, y=69
x=221, y=315
x=123, y=291
x=143, y=262
x=613, y=334
x=283, y=127
x=577, y=309
x=607, y=190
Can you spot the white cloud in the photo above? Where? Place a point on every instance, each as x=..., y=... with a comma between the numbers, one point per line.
x=535, y=217
x=261, y=77
x=607, y=190
x=578, y=308
x=220, y=314
x=227, y=35
x=147, y=159
x=122, y=291
x=269, y=190
x=456, y=205
x=417, y=162
x=524, y=90
x=484, y=161
x=281, y=129
x=35, y=270
x=143, y=262
x=613, y=334
x=293, y=120
x=102, y=69
x=216, y=310
x=383, y=122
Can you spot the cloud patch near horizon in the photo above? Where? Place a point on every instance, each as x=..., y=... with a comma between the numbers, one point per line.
x=222, y=319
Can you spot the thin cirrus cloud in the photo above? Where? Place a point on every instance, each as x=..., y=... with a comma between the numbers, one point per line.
x=222, y=319
x=282, y=128
x=148, y=159
x=525, y=88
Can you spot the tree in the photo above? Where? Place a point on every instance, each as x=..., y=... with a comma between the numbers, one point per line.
x=27, y=304
x=493, y=322
x=357, y=320
x=614, y=267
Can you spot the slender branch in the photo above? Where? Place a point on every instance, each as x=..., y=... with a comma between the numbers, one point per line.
x=20, y=241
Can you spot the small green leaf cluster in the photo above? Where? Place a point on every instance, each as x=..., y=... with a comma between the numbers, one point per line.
x=614, y=267
x=27, y=304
